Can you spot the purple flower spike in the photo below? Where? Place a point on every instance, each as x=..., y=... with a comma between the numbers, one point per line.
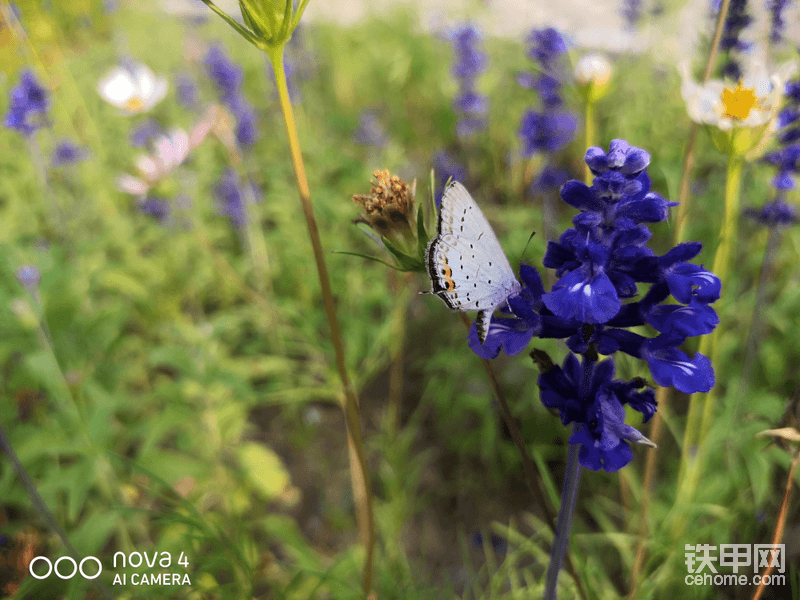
x=546, y=132
x=158, y=208
x=226, y=75
x=602, y=262
x=230, y=199
x=546, y=47
x=67, y=153
x=27, y=111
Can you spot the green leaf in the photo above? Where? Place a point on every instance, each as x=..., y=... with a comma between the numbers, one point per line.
x=264, y=469
x=378, y=260
x=405, y=261
x=120, y=281
x=422, y=235
x=93, y=533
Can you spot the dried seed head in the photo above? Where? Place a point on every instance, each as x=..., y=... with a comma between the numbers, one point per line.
x=389, y=207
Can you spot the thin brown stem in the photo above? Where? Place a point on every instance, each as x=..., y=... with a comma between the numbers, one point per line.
x=528, y=465
x=781, y=524
x=362, y=491
x=663, y=394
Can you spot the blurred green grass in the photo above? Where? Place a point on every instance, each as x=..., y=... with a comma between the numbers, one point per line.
x=180, y=413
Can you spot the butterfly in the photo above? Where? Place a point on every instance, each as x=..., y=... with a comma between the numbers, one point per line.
x=465, y=262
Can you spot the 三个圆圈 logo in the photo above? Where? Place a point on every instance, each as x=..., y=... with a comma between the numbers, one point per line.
x=62, y=572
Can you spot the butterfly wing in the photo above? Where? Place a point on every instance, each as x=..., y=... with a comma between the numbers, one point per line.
x=466, y=264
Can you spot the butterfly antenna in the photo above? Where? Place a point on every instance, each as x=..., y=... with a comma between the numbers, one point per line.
x=533, y=233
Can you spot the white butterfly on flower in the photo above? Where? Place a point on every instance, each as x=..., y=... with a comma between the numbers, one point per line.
x=133, y=88
x=465, y=262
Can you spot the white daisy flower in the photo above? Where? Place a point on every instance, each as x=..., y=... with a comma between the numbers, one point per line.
x=133, y=88
x=752, y=102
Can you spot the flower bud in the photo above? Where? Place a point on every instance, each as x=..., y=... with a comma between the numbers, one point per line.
x=592, y=73
x=271, y=21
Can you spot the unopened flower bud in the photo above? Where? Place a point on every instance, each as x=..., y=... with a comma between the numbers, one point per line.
x=593, y=72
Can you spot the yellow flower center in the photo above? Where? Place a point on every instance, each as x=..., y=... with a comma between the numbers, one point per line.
x=134, y=104
x=739, y=102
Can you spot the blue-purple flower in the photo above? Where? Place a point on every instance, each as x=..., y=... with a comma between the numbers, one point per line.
x=542, y=132
x=226, y=75
x=246, y=120
x=737, y=19
x=29, y=276
x=588, y=395
x=470, y=61
x=68, y=152
x=370, y=130
x=546, y=47
x=550, y=128
x=602, y=263
x=632, y=12
x=228, y=78
x=186, y=89
x=231, y=201
x=145, y=133
x=777, y=22
x=777, y=213
x=155, y=207
x=30, y=101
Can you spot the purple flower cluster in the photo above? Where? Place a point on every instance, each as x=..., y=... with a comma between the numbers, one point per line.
x=737, y=19
x=231, y=200
x=777, y=23
x=470, y=61
x=631, y=12
x=67, y=152
x=27, y=111
x=228, y=78
x=370, y=130
x=786, y=159
x=550, y=129
x=155, y=207
x=186, y=90
x=145, y=133
x=601, y=262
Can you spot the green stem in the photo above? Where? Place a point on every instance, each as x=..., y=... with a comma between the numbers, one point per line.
x=590, y=130
x=702, y=406
x=362, y=491
x=663, y=393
